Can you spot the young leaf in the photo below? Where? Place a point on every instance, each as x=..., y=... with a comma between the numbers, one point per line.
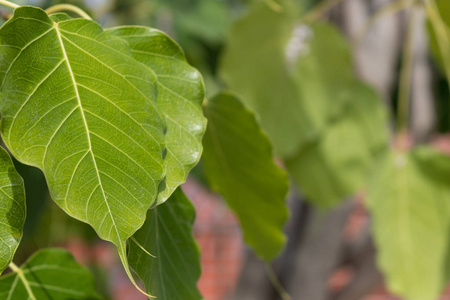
x=49, y=275
x=294, y=76
x=410, y=205
x=337, y=164
x=12, y=209
x=163, y=253
x=238, y=163
x=180, y=95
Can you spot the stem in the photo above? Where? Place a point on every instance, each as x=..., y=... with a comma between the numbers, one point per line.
x=142, y=247
x=442, y=36
x=320, y=9
x=404, y=94
x=19, y=273
x=9, y=4
x=276, y=283
x=67, y=7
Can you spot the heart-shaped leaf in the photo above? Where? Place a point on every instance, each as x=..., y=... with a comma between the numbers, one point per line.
x=78, y=105
x=12, y=209
x=49, y=275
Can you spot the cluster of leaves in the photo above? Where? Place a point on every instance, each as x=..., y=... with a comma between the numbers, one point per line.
x=331, y=132
x=115, y=121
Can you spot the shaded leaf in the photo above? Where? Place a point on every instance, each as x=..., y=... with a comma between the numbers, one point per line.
x=49, y=275
x=410, y=205
x=337, y=164
x=180, y=94
x=164, y=254
x=238, y=163
x=12, y=209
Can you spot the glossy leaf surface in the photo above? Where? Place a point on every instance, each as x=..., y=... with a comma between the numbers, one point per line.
x=12, y=209
x=51, y=274
x=76, y=104
x=164, y=254
x=238, y=163
x=409, y=199
x=180, y=95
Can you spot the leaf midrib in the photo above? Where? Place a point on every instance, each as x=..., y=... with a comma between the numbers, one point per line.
x=63, y=49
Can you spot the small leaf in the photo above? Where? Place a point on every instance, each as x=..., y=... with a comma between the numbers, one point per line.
x=180, y=95
x=337, y=165
x=164, y=254
x=12, y=209
x=50, y=274
x=410, y=205
x=238, y=163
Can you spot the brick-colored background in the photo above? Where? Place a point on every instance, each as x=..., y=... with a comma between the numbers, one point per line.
x=219, y=237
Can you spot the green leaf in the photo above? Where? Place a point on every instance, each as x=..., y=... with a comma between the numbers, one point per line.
x=410, y=204
x=12, y=212
x=337, y=164
x=78, y=105
x=164, y=254
x=49, y=275
x=180, y=95
x=294, y=76
x=238, y=163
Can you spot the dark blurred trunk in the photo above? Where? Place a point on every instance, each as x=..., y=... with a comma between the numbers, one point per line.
x=312, y=253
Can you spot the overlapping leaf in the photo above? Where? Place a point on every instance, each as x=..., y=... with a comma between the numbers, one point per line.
x=410, y=204
x=337, y=165
x=294, y=76
x=12, y=209
x=180, y=94
x=164, y=254
x=49, y=275
x=78, y=104
x=238, y=163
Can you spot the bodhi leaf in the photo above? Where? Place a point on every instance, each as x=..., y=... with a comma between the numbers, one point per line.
x=337, y=164
x=49, y=275
x=294, y=76
x=164, y=254
x=78, y=105
x=408, y=198
x=238, y=163
x=180, y=95
x=12, y=209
